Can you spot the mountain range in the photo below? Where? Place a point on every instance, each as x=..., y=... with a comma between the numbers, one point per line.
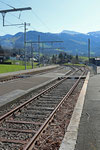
x=73, y=42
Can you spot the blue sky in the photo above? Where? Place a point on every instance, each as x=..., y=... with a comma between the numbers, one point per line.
x=53, y=15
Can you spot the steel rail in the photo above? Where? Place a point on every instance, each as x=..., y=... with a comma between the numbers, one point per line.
x=31, y=99
x=30, y=144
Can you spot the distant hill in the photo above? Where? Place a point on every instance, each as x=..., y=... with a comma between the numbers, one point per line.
x=70, y=32
x=73, y=42
x=96, y=33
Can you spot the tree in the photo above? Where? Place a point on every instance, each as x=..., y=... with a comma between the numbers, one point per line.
x=61, y=58
x=54, y=59
x=77, y=57
x=75, y=60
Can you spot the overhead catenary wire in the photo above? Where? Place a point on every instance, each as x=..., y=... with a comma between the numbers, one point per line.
x=42, y=22
x=39, y=18
x=12, y=14
x=2, y=30
x=9, y=23
x=7, y=4
x=21, y=20
x=33, y=13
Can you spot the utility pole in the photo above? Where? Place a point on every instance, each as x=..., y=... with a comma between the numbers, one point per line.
x=43, y=53
x=3, y=12
x=25, y=24
x=25, y=43
x=32, y=55
x=39, y=48
x=89, y=50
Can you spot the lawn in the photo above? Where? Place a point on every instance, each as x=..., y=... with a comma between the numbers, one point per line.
x=83, y=58
x=12, y=68
x=81, y=65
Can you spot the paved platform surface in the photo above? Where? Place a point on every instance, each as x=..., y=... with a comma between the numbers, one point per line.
x=17, y=87
x=89, y=127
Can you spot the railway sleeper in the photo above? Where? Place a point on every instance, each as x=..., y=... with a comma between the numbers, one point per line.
x=52, y=96
x=16, y=135
x=41, y=108
x=37, y=106
x=30, y=119
x=17, y=130
x=56, y=94
x=22, y=126
x=12, y=141
x=49, y=98
x=22, y=122
x=48, y=103
x=35, y=117
x=36, y=112
x=56, y=101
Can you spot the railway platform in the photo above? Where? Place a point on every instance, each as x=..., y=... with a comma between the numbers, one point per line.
x=83, y=132
x=28, y=71
x=13, y=89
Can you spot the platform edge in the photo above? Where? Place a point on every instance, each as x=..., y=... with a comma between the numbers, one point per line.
x=70, y=137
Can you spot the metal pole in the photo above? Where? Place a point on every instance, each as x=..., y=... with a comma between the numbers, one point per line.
x=32, y=55
x=25, y=43
x=42, y=42
x=89, y=50
x=15, y=9
x=3, y=12
x=39, y=48
x=3, y=15
x=43, y=52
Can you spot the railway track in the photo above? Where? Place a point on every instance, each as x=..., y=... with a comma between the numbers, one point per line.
x=20, y=127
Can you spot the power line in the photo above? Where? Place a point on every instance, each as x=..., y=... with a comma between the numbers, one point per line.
x=17, y=18
x=7, y=4
x=22, y=21
x=2, y=30
x=9, y=22
x=33, y=13
x=42, y=22
x=3, y=12
x=13, y=8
